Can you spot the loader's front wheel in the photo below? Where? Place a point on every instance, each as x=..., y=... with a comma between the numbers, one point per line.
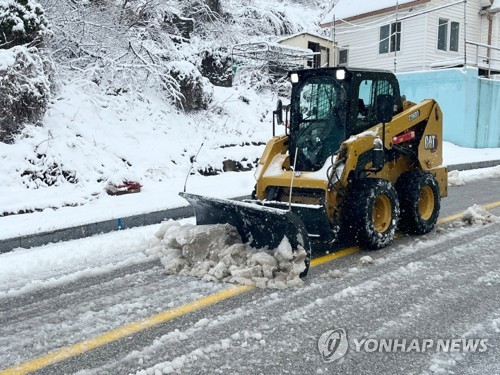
x=420, y=202
x=371, y=212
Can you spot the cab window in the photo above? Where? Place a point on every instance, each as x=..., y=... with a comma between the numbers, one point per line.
x=369, y=90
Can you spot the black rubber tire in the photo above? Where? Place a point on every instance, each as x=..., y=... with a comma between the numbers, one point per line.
x=420, y=202
x=360, y=216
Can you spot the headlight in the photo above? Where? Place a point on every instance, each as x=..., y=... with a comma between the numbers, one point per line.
x=340, y=74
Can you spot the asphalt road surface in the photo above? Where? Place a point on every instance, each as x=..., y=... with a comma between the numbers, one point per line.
x=417, y=297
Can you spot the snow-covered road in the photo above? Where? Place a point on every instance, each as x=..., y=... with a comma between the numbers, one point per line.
x=443, y=285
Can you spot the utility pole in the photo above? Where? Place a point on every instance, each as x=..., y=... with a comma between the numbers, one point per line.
x=396, y=38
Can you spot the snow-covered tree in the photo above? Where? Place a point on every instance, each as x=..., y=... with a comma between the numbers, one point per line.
x=24, y=68
x=24, y=89
x=21, y=22
x=196, y=91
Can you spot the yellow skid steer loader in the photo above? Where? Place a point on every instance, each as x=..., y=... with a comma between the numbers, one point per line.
x=356, y=159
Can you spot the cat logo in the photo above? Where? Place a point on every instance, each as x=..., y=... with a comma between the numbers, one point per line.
x=431, y=142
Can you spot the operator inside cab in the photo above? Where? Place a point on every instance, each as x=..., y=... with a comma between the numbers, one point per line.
x=328, y=107
x=320, y=121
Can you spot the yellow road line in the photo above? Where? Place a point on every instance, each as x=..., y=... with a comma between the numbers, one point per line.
x=119, y=333
x=130, y=329
x=338, y=254
x=450, y=218
x=491, y=205
x=488, y=206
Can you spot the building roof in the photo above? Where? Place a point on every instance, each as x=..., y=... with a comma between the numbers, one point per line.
x=300, y=34
x=348, y=9
x=495, y=6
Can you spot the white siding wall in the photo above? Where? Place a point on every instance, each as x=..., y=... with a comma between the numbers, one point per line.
x=363, y=43
x=419, y=39
x=473, y=33
x=414, y=38
x=495, y=40
x=484, y=30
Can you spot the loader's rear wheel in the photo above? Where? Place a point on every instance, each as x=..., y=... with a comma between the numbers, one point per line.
x=371, y=212
x=420, y=202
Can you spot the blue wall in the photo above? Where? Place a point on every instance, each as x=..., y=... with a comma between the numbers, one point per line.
x=471, y=108
x=488, y=134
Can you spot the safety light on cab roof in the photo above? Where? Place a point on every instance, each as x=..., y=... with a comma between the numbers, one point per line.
x=294, y=77
x=340, y=74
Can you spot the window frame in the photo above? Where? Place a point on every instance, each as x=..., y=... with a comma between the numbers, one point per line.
x=390, y=37
x=451, y=30
x=457, y=41
x=342, y=51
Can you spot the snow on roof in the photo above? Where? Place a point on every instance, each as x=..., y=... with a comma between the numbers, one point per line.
x=301, y=33
x=348, y=8
x=258, y=49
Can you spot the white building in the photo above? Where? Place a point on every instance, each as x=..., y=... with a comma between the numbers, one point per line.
x=323, y=47
x=409, y=35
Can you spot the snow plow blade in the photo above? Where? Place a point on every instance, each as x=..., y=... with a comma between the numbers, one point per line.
x=261, y=227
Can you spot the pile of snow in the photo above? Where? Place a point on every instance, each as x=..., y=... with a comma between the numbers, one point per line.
x=477, y=174
x=217, y=253
x=366, y=260
x=454, y=179
x=478, y=215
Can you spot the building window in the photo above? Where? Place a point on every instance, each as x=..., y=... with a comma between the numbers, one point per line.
x=448, y=34
x=390, y=38
x=343, y=55
x=316, y=61
x=455, y=27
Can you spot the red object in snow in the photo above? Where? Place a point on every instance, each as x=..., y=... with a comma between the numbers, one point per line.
x=126, y=188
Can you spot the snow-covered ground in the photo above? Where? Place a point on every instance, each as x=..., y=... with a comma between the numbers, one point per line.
x=27, y=270
x=283, y=325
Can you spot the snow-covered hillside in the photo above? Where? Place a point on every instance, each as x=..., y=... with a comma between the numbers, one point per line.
x=109, y=120
x=90, y=139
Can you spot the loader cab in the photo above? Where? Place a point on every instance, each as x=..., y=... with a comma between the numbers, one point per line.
x=369, y=87
x=328, y=105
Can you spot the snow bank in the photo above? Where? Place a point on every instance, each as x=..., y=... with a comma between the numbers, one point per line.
x=217, y=253
x=29, y=270
x=478, y=215
x=454, y=179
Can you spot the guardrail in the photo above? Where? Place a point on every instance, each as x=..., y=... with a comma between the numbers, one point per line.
x=486, y=59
